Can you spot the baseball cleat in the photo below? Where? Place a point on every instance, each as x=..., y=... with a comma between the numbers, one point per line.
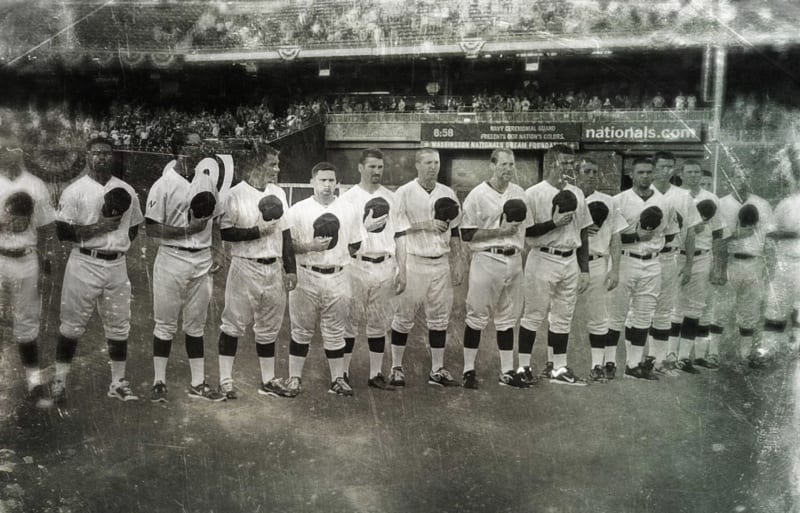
x=158, y=394
x=340, y=387
x=639, y=372
x=293, y=386
x=470, y=380
x=205, y=392
x=565, y=376
x=442, y=378
x=711, y=363
x=397, y=378
x=122, y=390
x=598, y=374
x=228, y=390
x=526, y=375
x=58, y=391
x=346, y=378
x=610, y=370
x=379, y=382
x=38, y=396
x=547, y=371
x=273, y=388
x=512, y=379
x=685, y=365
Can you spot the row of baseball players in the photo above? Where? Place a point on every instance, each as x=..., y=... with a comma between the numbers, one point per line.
x=345, y=265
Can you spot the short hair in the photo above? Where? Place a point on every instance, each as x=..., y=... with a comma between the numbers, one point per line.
x=424, y=151
x=642, y=160
x=663, y=155
x=374, y=153
x=589, y=160
x=179, y=139
x=707, y=173
x=322, y=166
x=99, y=139
x=690, y=162
x=267, y=151
x=560, y=149
x=496, y=153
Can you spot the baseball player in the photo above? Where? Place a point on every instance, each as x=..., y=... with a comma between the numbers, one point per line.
x=747, y=219
x=691, y=308
x=100, y=214
x=180, y=207
x=262, y=269
x=557, y=269
x=26, y=218
x=665, y=355
x=604, y=259
x=707, y=181
x=325, y=233
x=633, y=301
x=433, y=214
x=378, y=270
x=493, y=226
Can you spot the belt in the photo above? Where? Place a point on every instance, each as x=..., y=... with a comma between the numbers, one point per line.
x=557, y=252
x=743, y=256
x=649, y=256
x=377, y=260
x=668, y=249
x=265, y=261
x=697, y=252
x=102, y=255
x=324, y=270
x=595, y=257
x=502, y=251
x=15, y=253
x=429, y=257
x=190, y=250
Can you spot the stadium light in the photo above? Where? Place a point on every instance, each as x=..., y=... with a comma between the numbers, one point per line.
x=532, y=64
x=325, y=69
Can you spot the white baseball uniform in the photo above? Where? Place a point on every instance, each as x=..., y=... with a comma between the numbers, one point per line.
x=96, y=275
x=323, y=288
x=427, y=267
x=181, y=281
x=19, y=266
x=551, y=271
x=594, y=301
x=373, y=269
x=254, y=291
x=784, y=287
x=495, y=275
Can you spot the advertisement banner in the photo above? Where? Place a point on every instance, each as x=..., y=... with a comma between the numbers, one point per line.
x=643, y=131
x=530, y=136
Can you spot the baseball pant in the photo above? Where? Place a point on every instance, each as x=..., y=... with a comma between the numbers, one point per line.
x=320, y=296
x=19, y=295
x=742, y=293
x=495, y=290
x=428, y=283
x=690, y=300
x=91, y=283
x=550, y=287
x=784, y=289
x=594, y=301
x=634, y=300
x=372, y=285
x=662, y=315
x=254, y=295
x=181, y=286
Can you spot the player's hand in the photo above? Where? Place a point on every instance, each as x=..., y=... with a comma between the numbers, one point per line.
x=611, y=281
x=508, y=229
x=743, y=232
x=718, y=276
x=266, y=228
x=434, y=225
x=319, y=243
x=17, y=224
x=592, y=230
x=583, y=282
x=375, y=223
x=562, y=218
x=686, y=274
x=197, y=225
x=107, y=224
x=289, y=281
x=400, y=282
x=644, y=235
x=217, y=259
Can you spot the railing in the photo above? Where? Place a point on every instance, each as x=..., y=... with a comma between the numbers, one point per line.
x=532, y=116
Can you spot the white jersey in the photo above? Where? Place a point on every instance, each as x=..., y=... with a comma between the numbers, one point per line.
x=729, y=208
x=685, y=214
x=704, y=239
x=416, y=205
x=81, y=204
x=787, y=218
x=376, y=244
x=631, y=205
x=540, y=202
x=301, y=218
x=483, y=209
x=168, y=203
x=43, y=212
x=600, y=242
x=240, y=210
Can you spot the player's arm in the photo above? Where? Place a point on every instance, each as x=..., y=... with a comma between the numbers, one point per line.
x=234, y=234
x=783, y=234
x=614, y=251
x=582, y=253
x=159, y=230
x=457, y=256
x=482, y=234
x=400, y=255
x=133, y=231
x=432, y=225
x=69, y=232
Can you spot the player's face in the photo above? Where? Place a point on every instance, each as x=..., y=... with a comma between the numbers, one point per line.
x=100, y=158
x=428, y=167
x=371, y=170
x=191, y=151
x=691, y=176
x=265, y=173
x=642, y=175
x=707, y=183
x=589, y=175
x=505, y=167
x=324, y=183
x=663, y=169
x=564, y=168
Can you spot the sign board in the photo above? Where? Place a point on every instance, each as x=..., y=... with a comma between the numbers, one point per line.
x=526, y=136
x=642, y=132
